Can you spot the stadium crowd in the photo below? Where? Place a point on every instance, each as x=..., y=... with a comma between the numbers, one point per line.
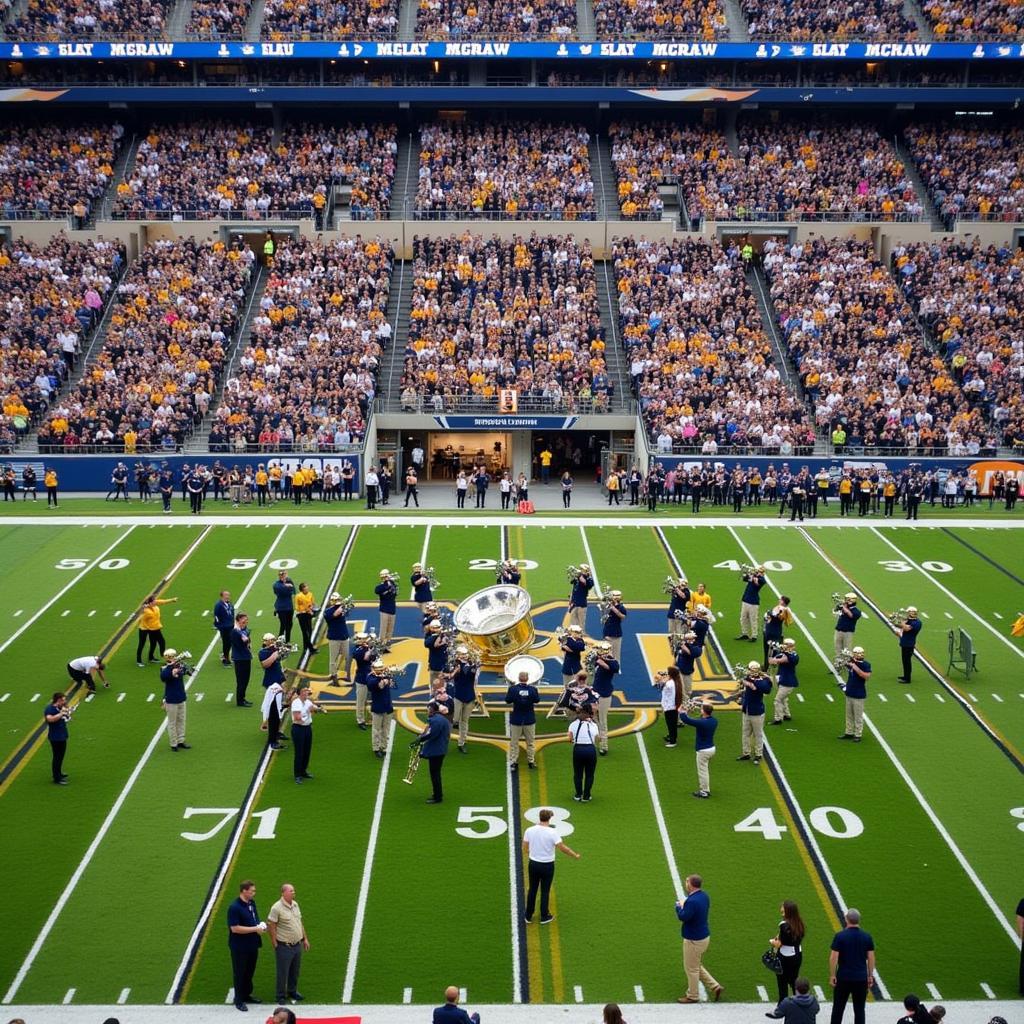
x=953, y=20
x=807, y=20
x=333, y=19
x=307, y=377
x=649, y=19
x=488, y=313
x=519, y=170
x=154, y=378
x=45, y=170
x=700, y=361
x=218, y=19
x=970, y=299
x=495, y=19
x=107, y=19
x=861, y=360
x=972, y=173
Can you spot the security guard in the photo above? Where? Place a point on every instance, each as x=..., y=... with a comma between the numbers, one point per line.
x=524, y=697
x=908, y=641
x=364, y=658
x=224, y=623
x=786, y=661
x=681, y=597
x=755, y=686
x=268, y=250
x=463, y=679
x=378, y=683
x=750, y=604
x=284, y=606
x=270, y=659
x=241, y=658
x=611, y=628
x=581, y=586
x=172, y=675
x=422, y=594
x=573, y=645
x=387, y=592
x=846, y=623
x=337, y=640
x=856, y=692
x=436, y=644
x=605, y=671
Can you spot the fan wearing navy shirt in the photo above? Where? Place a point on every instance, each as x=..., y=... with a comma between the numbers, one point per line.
x=856, y=691
x=241, y=657
x=244, y=931
x=605, y=671
x=581, y=587
x=908, y=641
x=386, y=592
x=224, y=623
x=755, y=686
x=750, y=604
x=851, y=968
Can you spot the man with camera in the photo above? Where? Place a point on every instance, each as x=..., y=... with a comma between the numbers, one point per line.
x=57, y=715
x=172, y=675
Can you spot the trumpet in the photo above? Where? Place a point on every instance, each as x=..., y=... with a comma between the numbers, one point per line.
x=431, y=575
x=746, y=571
x=676, y=641
x=347, y=603
x=283, y=647
x=693, y=704
x=605, y=603
x=841, y=662
x=472, y=658
x=67, y=711
x=837, y=601
x=392, y=577
x=414, y=762
x=508, y=565
x=184, y=659
x=572, y=573
x=669, y=586
x=775, y=648
x=590, y=659
x=898, y=617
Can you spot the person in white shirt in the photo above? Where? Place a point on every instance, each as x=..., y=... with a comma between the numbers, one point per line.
x=583, y=737
x=303, y=709
x=81, y=670
x=540, y=841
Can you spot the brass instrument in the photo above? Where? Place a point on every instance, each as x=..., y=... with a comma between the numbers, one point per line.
x=347, y=604
x=691, y=705
x=669, y=586
x=838, y=600
x=431, y=575
x=676, y=641
x=392, y=577
x=496, y=621
x=605, y=603
x=775, y=648
x=284, y=648
x=508, y=565
x=898, y=618
x=414, y=762
x=841, y=662
x=184, y=659
x=572, y=573
x=472, y=657
x=746, y=571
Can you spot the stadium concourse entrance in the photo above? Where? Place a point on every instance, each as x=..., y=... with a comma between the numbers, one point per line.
x=257, y=238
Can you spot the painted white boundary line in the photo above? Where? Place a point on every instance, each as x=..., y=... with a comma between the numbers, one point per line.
x=63, y=590
x=513, y=887
x=904, y=774
x=423, y=553
x=659, y=817
x=590, y=561
x=86, y=860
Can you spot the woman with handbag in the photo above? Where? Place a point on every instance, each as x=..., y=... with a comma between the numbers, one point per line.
x=787, y=944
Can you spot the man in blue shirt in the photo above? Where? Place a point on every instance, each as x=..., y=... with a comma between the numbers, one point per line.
x=386, y=592
x=693, y=912
x=775, y=619
x=606, y=668
x=846, y=623
x=463, y=680
x=704, y=727
x=908, y=641
x=433, y=742
x=687, y=651
x=611, y=628
x=581, y=586
x=524, y=697
x=851, y=966
x=378, y=683
x=56, y=715
x=451, y=1012
x=786, y=661
x=244, y=931
x=421, y=592
x=677, y=603
x=700, y=624
x=856, y=691
x=224, y=623
x=573, y=645
x=284, y=603
x=750, y=604
x=338, y=646
x=241, y=657
x=755, y=685
x=270, y=659
x=436, y=643
x=172, y=675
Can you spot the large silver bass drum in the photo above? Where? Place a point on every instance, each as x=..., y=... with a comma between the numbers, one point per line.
x=497, y=622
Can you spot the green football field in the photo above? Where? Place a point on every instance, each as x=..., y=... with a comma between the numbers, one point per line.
x=130, y=868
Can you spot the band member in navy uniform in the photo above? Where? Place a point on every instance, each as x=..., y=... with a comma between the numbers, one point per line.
x=284, y=603
x=583, y=735
x=700, y=624
x=378, y=683
x=270, y=658
x=118, y=484
x=241, y=658
x=755, y=685
x=678, y=602
x=611, y=628
x=573, y=645
x=579, y=694
x=750, y=604
x=582, y=585
x=433, y=743
x=436, y=643
x=786, y=661
x=338, y=641
x=422, y=593
x=387, y=592
x=687, y=652
x=224, y=623
x=774, y=621
x=463, y=680
x=430, y=612
x=57, y=714
x=508, y=572
x=908, y=641
x=705, y=727
x=244, y=931
x=172, y=675
x=363, y=655
x=605, y=671
x=846, y=623
x=856, y=691
x=524, y=697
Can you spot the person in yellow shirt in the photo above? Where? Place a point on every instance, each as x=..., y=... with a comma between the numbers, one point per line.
x=262, y=485
x=305, y=603
x=50, y=483
x=298, y=484
x=699, y=598
x=151, y=628
x=845, y=495
x=545, y=465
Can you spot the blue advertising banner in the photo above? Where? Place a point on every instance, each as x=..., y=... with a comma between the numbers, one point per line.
x=766, y=51
x=506, y=422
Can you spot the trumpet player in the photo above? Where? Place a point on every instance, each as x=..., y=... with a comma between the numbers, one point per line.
x=172, y=675
x=750, y=603
x=524, y=698
x=704, y=727
x=856, y=691
x=786, y=660
x=701, y=623
x=687, y=653
x=284, y=603
x=775, y=619
x=422, y=594
x=582, y=584
x=847, y=617
x=463, y=680
x=378, y=683
x=338, y=639
x=364, y=655
x=573, y=645
x=508, y=572
x=436, y=644
x=611, y=627
x=270, y=659
x=908, y=631
x=678, y=602
x=57, y=714
x=606, y=668
x=387, y=594
x=430, y=612
x=670, y=683
x=755, y=685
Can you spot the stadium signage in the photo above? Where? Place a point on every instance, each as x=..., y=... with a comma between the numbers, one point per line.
x=506, y=422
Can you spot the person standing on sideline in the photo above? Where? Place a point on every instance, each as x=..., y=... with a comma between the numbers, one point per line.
x=244, y=931
x=750, y=604
x=917, y=1012
x=505, y=487
x=787, y=943
x=81, y=669
x=613, y=489
x=50, y=483
x=224, y=623
x=545, y=465
x=151, y=628
x=172, y=675
x=57, y=714
x=305, y=602
x=524, y=697
x=567, y=485
x=289, y=939
x=786, y=660
x=371, y=482
x=583, y=735
x=451, y=1012
x=284, y=603
x=272, y=710
x=241, y=658
x=755, y=685
x=693, y=912
x=461, y=486
x=801, y=1008
x=303, y=709
x=338, y=641
x=704, y=727
x=908, y=641
x=540, y=842
x=482, y=481
x=433, y=744
x=670, y=683
x=856, y=690
x=384, y=481
x=851, y=968
x=411, y=481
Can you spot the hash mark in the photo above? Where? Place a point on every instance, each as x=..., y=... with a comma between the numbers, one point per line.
x=65, y=613
x=462, y=991
x=910, y=697
x=18, y=612
x=68, y=996
x=406, y=995
x=800, y=697
x=996, y=697
x=123, y=997
x=829, y=698
x=973, y=698
x=948, y=616
x=638, y=992
x=812, y=615
x=150, y=698
x=90, y=698
x=121, y=697
x=4, y=697
x=762, y=993
x=199, y=697
x=177, y=612
x=34, y=698
x=882, y=697
x=939, y=698
x=92, y=613
x=987, y=989
x=997, y=615
x=577, y=992
x=932, y=990
x=227, y=699
x=231, y=995
x=117, y=613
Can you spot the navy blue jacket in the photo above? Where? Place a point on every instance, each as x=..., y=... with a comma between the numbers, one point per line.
x=58, y=730
x=283, y=594
x=464, y=683
x=364, y=659
x=173, y=678
x=571, y=661
x=523, y=697
x=694, y=915
x=705, y=728
x=909, y=638
x=752, y=701
x=700, y=627
x=678, y=604
x=240, y=912
x=752, y=591
x=848, y=623
x=224, y=615
x=855, y=686
x=451, y=1014
x=787, y=670
x=240, y=650
x=274, y=674
x=437, y=652
x=613, y=624
x=685, y=658
x=604, y=677
x=386, y=594
x=337, y=627
x=435, y=743
x=380, y=695
x=580, y=589
x=421, y=591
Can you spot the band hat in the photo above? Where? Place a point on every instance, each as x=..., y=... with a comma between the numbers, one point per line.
x=682, y=581
x=377, y=665
x=575, y=629
x=434, y=624
x=584, y=567
x=690, y=635
x=615, y=593
x=383, y=573
x=911, y=610
x=857, y=650
x=753, y=666
x=850, y=597
x=335, y=597
x=170, y=654
x=417, y=565
x=462, y=650
x=604, y=646
x=789, y=642
x=700, y=610
x=269, y=636
x=362, y=635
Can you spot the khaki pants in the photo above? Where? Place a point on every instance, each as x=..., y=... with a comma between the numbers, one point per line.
x=616, y=642
x=753, y=730
x=461, y=718
x=578, y=617
x=854, y=716
x=387, y=627
x=687, y=685
x=703, y=769
x=522, y=732
x=380, y=724
x=339, y=659
x=842, y=641
x=567, y=680
x=750, y=615
x=675, y=626
x=361, y=703
x=782, y=702
x=693, y=965
x=175, y=723
x=603, y=704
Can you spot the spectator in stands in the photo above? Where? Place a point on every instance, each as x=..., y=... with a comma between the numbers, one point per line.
x=333, y=19
x=1000, y=20
x=650, y=19
x=67, y=20
x=495, y=19
x=218, y=19
x=807, y=20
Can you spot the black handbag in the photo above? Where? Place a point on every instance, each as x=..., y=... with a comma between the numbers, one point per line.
x=772, y=960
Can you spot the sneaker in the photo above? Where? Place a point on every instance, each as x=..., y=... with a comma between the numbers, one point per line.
x=244, y=704
x=174, y=749
x=298, y=780
x=434, y=800
x=668, y=746
x=856, y=739
x=527, y=920
x=778, y=721
x=61, y=781
x=548, y=919
x=845, y=736
x=297, y=997
x=603, y=753
x=363, y=726
x=184, y=746
x=743, y=757
x=586, y=799
x=513, y=767
x=577, y=798
x=700, y=794
x=787, y=718
x=139, y=663
x=757, y=760
x=462, y=749
x=900, y=679
x=276, y=746
x=742, y=636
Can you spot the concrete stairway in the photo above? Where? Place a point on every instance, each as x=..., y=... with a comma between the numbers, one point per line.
x=912, y=9
x=123, y=167
x=397, y=314
x=255, y=22
x=605, y=187
x=406, y=167
x=407, y=20
x=931, y=211
x=586, y=29
x=615, y=355
x=739, y=32
x=178, y=19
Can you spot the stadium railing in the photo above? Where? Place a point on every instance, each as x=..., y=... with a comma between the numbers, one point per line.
x=308, y=448
x=232, y=214
x=732, y=451
x=809, y=216
x=438, y=405
x=414, y=212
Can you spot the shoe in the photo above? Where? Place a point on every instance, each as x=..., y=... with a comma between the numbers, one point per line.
x=527, y=920
x=298, y=780
x=900, y=679
x=242, y=1007
x=184, y=746
x=687, y=999
x=462, y=749
x=603, y=753
x=276, y=746
x=856, y=739
x=62, y=781
x=244, y=704
x=787, y=718
x=577, y=798
x=139, y=663
x=306, y=775
x=434, y=800
x=225, y=662
x=297, y=997
x=253, y=999
x=718, y=992
x=174, y=749
x=777, y=722
x=742, y=636
x=514, y=766
x=362, y=726
x=701, y=795
x=743, y=757
x=757, y=760
x=532, y=765
x=586, y=799
x=669, y=746
x=548, y=919
x=753, y=639
x=379, y=754
x=845, y=736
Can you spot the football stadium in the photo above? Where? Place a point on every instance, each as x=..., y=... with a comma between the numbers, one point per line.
x=510, y=511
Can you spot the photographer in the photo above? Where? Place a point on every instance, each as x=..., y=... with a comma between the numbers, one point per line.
x=57, y=715
x=172, y=675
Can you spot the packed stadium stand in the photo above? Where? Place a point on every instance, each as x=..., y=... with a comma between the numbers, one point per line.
x=495, y=19
x=105, y=19
x=650, y=19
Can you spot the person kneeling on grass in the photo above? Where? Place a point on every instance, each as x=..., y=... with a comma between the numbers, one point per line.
x=799, y=1009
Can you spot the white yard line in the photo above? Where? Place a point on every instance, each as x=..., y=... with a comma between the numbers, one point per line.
x=577, y=993
x=86, y=860
x=590, y=562
x=987, y=989
x=638, y=993
x=123, y=997
x=932, y=990
x=513, y=887
x=423, y=555
x=659, y=817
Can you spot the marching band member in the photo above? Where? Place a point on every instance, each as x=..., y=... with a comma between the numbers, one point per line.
x=611, y=628
x=578, y=597
x=908, y=641
x=436, y=644
x=422, y=593
x=442, y=693
x=686, y=656
x=337, y=639
x=284, y=609
x=846, y=623
x=582, y=735
x=774, y=621
x=670, y=684
x=378, y=683
x=704, y=727
x=679, y=602
x=573, y=644
x=755, y=686
x=845, y=494
x=430, y=612
x=750, y=604
x=172, y=675
x=363, y=655
x=387, y=592
x=508, y=572
x=605, y=671
x=272, y=710
x=463, y=679
x=433, y=743
x=523, y=696
x=579, y=693
x=889, y=494
x=786, y=660
x=856, y=691
x=701, y=623
x=270, y=658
